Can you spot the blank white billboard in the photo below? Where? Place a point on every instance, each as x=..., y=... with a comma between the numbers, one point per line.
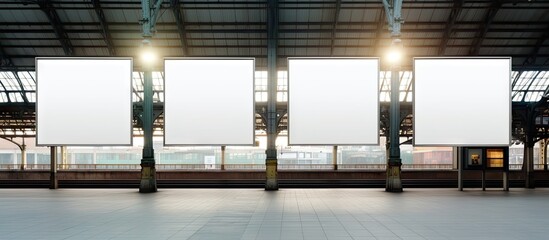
x=209, y=101
x=83, y=101
x=462, y=101
x=333, y=101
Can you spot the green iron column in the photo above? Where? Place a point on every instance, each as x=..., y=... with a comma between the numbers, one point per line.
x=394, y=183
x=271, y=162
x=394, y=19
x=528, y=159
x=148, y=170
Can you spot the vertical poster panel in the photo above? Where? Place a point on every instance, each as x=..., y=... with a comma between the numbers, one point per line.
x=209, y=101
x=333, y=101
x=84, y=101
x=462, y=101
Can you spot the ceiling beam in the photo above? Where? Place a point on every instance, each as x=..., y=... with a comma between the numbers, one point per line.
x=334, y=25
x=104, y=26
x=5, y=60
x=535, y=51
x=181, y=27
x=456, y=10
x=379, y=33
x=23, y=92
x=47, y=7
x=481, y=34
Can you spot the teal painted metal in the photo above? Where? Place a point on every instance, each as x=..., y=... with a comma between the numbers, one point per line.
x=148, y=172
x=394, y=19
x=272, y=117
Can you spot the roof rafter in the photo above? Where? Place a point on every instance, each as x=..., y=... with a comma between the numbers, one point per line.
x=47, y=7
x=22, y=92
x=456, y=10
x=531, y=60
x=181, y=27
x=104, y=26
x=379, y=32
x=5, y=60
x=5, y=91
x=481, y=34
x=334, y=25
x=527, y=89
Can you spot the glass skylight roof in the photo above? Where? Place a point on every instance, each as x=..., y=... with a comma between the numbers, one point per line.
x=528, y=86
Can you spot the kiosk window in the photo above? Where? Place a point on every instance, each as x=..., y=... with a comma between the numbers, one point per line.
x=494, y=158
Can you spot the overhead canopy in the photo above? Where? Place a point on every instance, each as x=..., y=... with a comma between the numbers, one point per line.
x=314, y=28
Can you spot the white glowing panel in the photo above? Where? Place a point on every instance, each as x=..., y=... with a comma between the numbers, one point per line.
x=462, y=101
x=333, y=101
x=209, y=101
x=84, y=101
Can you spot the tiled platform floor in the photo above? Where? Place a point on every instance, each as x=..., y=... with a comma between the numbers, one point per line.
x=286, y=214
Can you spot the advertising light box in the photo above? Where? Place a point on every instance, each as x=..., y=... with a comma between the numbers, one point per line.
x=84, y=101
x=333, y=101
x=209, y=101
x=462, y=101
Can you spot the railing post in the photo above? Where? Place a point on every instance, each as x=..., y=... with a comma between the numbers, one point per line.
x=222, y=157
x=53, y=168
x=334, y=157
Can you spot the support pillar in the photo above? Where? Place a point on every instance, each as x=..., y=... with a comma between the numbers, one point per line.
x=53, y=168
x=506, y=180
x=64, y=164
x=222, y=157
x=23, y=155
x=271, y=161
x=393, y=12
x=459, y=157
x=529, y=164
x=148, y=168
x=483, y=180
x=394, y=182
x=334, y=157
x=543, y=153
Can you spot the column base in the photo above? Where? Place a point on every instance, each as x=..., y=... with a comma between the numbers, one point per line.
x=394, y=182
x=530, y=180
x=54, y=184
x=271, y=183
x=148, y=178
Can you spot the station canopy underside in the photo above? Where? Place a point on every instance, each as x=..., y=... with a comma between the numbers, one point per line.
x=314, y=28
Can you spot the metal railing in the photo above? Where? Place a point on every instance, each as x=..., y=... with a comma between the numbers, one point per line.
x=206, y=167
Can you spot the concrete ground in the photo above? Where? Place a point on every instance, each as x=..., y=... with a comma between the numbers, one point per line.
x=285, y=214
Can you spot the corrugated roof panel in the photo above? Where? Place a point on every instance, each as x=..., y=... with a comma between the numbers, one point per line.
x=123, y=15
x=434, y=15
x=190, y=15
x=287, y=15
x=324, y=15
x=75, y=16
x=472, y=15
x=49, y=51
x=519, y=15
x=503, y=50
x=233, y=51
x=466, y=42
x=258, y=51
x=203, y=15
x=357, y=15
x=226, y=15
x=464, y=34
x=23, y=15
